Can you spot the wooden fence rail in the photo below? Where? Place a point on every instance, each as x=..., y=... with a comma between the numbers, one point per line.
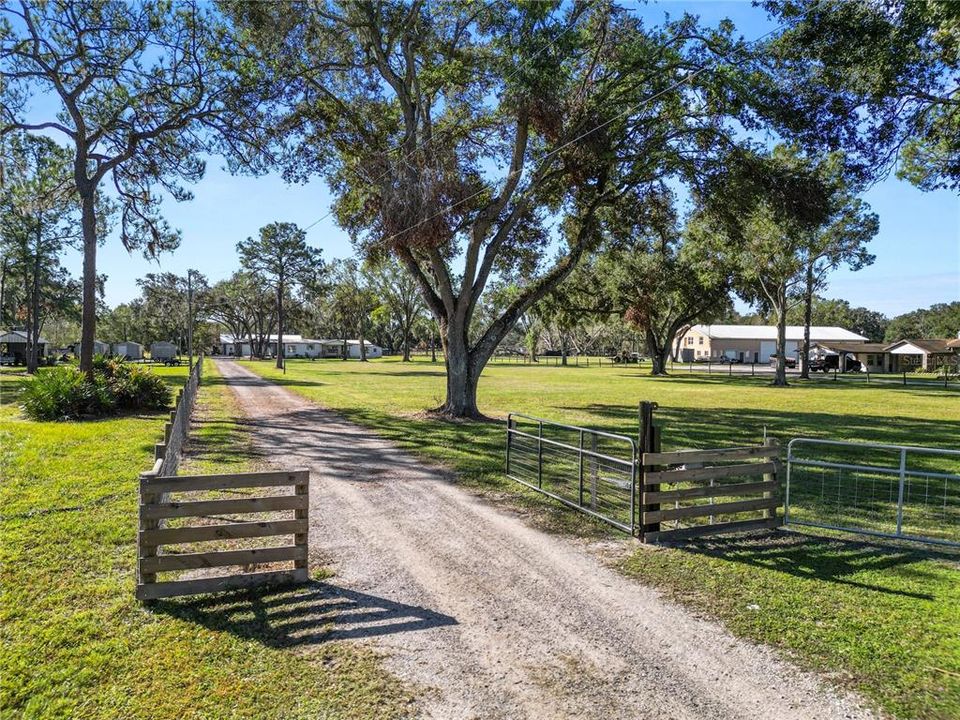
x=156, y=507
x=167, y=453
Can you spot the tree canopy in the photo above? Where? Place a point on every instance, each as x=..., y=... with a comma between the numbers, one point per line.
x=280, y=257
x=471, y=139
x=138, y=92
x=937, y=321
x=882, y=79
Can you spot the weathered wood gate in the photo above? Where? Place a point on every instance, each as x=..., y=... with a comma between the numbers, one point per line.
x=691, y=493
x=157, y=508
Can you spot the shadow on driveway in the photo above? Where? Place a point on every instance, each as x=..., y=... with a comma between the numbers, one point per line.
x=306, y=614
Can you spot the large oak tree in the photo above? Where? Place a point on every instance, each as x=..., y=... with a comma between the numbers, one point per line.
x=471, y=138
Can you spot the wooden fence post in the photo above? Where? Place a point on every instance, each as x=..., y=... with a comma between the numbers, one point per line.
x=655, y=447
x=301, y=566
x=769, y=477
x=144, y=550
x=649, y=442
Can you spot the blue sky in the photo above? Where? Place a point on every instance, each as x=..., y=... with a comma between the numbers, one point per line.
x=917, y=248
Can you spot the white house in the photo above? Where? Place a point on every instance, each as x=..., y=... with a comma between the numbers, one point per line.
x=233, y=346
x=334, y=348
x=297, y=346
x=754, y=343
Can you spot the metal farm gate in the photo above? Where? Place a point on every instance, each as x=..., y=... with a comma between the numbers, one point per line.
x=633, y=486
x=592, y=471
x=897, y=491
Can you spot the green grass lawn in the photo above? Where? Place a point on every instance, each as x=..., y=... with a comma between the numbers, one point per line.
x=883, y=620
x=75, y=642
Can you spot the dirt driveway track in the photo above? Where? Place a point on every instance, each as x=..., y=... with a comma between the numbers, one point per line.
x=494, y=619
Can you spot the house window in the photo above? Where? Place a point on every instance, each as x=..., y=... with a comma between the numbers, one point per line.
x=701, y=341
x=689, y=341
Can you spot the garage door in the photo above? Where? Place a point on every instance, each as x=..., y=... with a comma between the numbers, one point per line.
x=767, y=348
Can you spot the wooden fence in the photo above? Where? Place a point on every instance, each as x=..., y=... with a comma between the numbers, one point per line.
x=156, y=507
x=681, y=490
x=167, y=453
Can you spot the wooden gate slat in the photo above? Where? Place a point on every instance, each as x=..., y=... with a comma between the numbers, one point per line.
x=714, y=472
x=157, y=511
x=715, y=509
x=719, y=528
x=228, y=531
x=188, y=483
x=681, y=457
x=175, y=588
x=224, y=558
x=710, y=491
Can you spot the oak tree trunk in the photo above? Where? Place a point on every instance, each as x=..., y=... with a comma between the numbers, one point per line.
x=461, y=399
x=659, y=351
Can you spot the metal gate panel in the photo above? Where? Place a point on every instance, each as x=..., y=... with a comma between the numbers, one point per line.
x=896, y=491
x=592, y=471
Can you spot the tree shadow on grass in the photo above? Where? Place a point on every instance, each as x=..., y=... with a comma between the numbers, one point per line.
x=306, y=614
x=245, y=381
x=763, y=380
x=832, y=560
x=225, y=441
x=439, y=372
x=718, y=427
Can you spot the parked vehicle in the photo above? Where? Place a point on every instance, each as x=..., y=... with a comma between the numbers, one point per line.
x=790, y=362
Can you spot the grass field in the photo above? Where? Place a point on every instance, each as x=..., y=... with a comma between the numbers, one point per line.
x=77, y=645
x=883, y=620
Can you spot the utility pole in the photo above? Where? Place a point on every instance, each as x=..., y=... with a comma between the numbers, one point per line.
x=190, y=316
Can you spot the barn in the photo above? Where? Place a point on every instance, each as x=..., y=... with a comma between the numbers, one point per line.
x=753, y=343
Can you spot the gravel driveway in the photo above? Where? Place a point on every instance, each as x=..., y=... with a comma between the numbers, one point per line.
x=492, y=618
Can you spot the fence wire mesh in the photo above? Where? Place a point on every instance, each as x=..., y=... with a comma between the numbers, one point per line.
x=889, y=490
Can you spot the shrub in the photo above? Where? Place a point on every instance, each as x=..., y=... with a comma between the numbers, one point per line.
x=65, y=393
x=58, y=394
x=137, y=388
x=108, y=364
x=98, y=396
